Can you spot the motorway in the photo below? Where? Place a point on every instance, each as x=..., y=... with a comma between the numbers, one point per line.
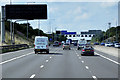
x=59, y=63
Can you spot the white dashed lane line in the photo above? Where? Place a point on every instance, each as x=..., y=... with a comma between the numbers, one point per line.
x=108, y=59
x=47, y=60
x=82, y=61
x=32, y=76
x=94, y=77
x=79, y=57
x=50, y=57
x=86, y=67
x=41, y=66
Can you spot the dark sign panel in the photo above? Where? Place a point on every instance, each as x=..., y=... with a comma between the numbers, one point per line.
x=26, y=11
x=70, y=32
x=57, y=32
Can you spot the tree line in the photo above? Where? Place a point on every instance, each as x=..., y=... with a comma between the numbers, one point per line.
x=110, y=35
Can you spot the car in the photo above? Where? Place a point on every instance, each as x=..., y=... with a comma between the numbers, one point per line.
x=63, y=42
x=80, y=46
x=109, y=44
x=87, y=50
x=66, y=46
x=75, y=44
x=60, y=43
x=96, y=43
x=56, y=43
x=41, y=44
x=117, y=45
x=114, y=42
x=102, y=44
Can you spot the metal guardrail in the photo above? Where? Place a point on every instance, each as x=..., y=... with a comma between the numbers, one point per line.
x=9, y=47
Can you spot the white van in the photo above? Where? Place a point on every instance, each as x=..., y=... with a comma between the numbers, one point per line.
x=41, y=44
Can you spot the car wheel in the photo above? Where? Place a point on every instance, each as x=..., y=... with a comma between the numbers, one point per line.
x=35, y=52
x=82, y=54
x=63, y=48
x=69, y=48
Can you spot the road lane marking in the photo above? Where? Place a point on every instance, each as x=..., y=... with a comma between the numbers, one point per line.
x=46, y=60
x=79, y=57
x=108, y=58
x=86, y=67
x=15, y=58
x=94, y=77
x=32, y=76
x=41, y=66
x=82, y=61
x=50, y=57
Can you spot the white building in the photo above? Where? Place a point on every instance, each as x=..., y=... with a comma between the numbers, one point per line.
x=76, y=37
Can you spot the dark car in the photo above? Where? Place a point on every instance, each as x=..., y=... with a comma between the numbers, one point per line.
x=75, y=44
x=87, y=50
x=96, y=43
x=56, y=43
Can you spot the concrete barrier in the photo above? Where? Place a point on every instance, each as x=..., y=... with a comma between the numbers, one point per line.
x=108, y=50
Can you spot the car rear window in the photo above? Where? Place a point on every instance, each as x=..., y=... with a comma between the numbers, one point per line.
x=117, y=44
x=66, y=44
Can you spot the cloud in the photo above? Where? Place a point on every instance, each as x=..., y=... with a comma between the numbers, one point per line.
x=108, y=4
x=82, y=17
x=52, y=10
x=78, y=10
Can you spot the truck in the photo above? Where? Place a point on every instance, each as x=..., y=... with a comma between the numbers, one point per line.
x=81, y=43
x=41, y=44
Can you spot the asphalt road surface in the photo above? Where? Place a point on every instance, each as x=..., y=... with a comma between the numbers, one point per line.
x=59, y=63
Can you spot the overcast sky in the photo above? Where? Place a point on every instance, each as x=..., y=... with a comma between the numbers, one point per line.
x=75, y=16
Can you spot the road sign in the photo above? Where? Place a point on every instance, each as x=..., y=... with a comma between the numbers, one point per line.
x=26, y=11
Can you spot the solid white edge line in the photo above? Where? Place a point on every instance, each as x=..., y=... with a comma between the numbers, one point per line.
x=41, y=66
x=108, y=58
x=15, y=58
x=94, y=77
x=86, y=67
x=32, y=76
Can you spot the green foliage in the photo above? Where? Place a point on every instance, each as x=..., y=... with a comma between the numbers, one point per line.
x=23, y=29
x=112, y=32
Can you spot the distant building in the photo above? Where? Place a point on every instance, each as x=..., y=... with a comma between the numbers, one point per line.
x=84, y=35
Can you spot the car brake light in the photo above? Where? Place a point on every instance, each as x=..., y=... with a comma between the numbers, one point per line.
x=92, y=50
x=34, y=45
x=83, y=50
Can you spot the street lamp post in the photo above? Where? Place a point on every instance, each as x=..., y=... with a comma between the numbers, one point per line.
x=38, y=27
x=116, y=32
x=109, y=31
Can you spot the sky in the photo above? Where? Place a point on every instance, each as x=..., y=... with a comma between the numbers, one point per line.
x=74, y=16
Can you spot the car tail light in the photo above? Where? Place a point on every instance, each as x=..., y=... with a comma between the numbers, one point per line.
x=83, y=50
x=92, y=50
x=34, y=45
